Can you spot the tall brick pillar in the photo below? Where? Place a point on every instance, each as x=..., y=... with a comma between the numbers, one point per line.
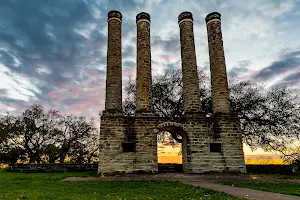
x=113, y=98
x=227, y=125
x=191, y=92
x=144, y=78
x=219, y=84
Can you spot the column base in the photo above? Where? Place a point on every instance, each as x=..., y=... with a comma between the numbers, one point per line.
x=143, y=112
x=194, y=114
x=112, y=112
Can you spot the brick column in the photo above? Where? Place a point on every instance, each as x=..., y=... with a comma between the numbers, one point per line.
x=219, y=84
x=144, y=78
x=113, y=98
x=191, y=91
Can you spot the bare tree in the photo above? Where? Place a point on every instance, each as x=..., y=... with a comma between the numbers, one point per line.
x=72, y=135
x=37, y=133
x=270, y=117
x=11, y=149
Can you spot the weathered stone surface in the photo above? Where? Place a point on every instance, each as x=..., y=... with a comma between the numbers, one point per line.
x=143, y=60
x=197, y=135
x=219, y=84
x=197, y=130
x=113, y=101
x=191, y=92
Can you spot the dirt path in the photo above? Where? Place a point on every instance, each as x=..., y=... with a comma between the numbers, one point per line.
x=205, y=181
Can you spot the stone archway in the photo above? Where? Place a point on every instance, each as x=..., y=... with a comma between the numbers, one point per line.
x=177, y=129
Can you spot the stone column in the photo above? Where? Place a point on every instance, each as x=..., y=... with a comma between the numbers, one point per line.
x=143, y=75
x=191, y=91
x=219, y=84
x=113, y=98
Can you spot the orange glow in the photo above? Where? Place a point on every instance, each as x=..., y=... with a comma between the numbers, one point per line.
x=169, y=154
x=257, y=160
x=170, y=159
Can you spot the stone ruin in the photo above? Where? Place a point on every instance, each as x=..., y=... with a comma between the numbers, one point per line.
x=128, y=144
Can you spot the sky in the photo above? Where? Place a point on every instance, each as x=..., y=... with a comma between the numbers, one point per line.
x=53, y=53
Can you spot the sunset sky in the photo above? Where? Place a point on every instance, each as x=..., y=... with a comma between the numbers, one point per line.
x=53, y=52
x=168, y=153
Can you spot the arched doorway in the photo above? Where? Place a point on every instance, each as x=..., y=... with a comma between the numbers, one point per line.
x=172, y=148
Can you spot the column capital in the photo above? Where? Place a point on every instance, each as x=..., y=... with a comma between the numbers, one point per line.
x=185, y=16
x=213, y=16
x=143, y=16
x=114, y=14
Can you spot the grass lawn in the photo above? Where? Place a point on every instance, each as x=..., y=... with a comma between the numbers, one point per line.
x=279, y=176
x=48, y=186
x=283, y=188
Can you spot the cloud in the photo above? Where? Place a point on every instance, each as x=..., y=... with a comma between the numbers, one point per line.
x=165, y=54
x=287, y=65
x=54, y=52
x=272, y=8
x=129, y=64
x=241, y=68
x=291, y=80
x=49, y=47
x=128, y=51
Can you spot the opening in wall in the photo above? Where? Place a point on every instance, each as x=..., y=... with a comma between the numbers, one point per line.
x=129, y=147
x=215, y=147
x=172, y=150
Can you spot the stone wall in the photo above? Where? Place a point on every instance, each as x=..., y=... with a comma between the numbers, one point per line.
x=199, y=132
x=232, y=146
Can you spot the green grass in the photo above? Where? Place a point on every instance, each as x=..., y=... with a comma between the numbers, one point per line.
x=279, y=176
x=283, y=188
x=48, y=186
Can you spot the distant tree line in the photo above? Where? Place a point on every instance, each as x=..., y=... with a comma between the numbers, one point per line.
x=270, y=116
x=38, y=136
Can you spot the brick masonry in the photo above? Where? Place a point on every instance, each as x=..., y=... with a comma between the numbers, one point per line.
x=219, y=84
x=113, y=101
x=191, y=92
x=198, y=131
x=143, y=60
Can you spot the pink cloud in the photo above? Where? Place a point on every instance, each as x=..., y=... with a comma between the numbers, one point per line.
x=170, y=57
x=268, y=70
x=77, y=91
x=254, y=73
x=54, y=94
x=129, y=72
